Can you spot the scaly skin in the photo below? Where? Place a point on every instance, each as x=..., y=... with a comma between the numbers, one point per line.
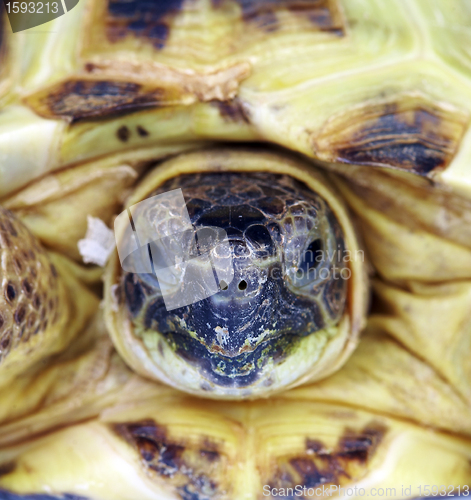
x=34, y=307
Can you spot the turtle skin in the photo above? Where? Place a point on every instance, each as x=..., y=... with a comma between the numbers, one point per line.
x=374, y=101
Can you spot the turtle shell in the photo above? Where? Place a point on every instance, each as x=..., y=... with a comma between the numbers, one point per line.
x=345, y=82
x=373, y=101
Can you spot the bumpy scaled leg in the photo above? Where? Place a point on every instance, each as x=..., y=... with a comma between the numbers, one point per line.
x=52, y=351
x=42, y=305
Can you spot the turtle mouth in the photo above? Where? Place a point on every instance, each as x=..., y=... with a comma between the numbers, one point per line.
x=241, y=370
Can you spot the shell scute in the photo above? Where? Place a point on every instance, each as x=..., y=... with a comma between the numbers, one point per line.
x=80, y=98
x=319, y=465
x=143, y=18
x=3, y=44
x=193, y=469
x=271, y=15
x=411, y=133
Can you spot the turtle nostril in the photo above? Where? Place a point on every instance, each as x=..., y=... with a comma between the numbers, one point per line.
x=223, y=285
x=242, y=285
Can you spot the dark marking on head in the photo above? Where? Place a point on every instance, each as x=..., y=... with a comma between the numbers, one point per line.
x=320, y=465
x=123, y=133
x=135, y=292
x=148, y=20
x=182, y=464
x=258, y=236
x=411, y=134
x=80, y=99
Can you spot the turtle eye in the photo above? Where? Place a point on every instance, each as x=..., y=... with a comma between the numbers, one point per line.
x=311, y=260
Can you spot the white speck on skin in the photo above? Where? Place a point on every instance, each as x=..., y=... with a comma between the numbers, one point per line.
x=98, y=243
x=222, y=335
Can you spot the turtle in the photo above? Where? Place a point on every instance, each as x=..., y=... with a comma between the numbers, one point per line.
x=235, y=250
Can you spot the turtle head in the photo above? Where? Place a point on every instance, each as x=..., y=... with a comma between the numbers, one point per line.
x=239, y=286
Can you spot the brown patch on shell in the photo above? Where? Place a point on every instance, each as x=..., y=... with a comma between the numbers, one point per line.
x=123, y=133
x=232, y=110
x=149, y=21
x=188, y=467
x=409, y=133
x=81, y=98
x=321, y=466
x=324, y=15
x=7, y=468
x=27, y=283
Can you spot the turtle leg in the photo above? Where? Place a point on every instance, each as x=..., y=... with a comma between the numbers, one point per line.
x=43, y=305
